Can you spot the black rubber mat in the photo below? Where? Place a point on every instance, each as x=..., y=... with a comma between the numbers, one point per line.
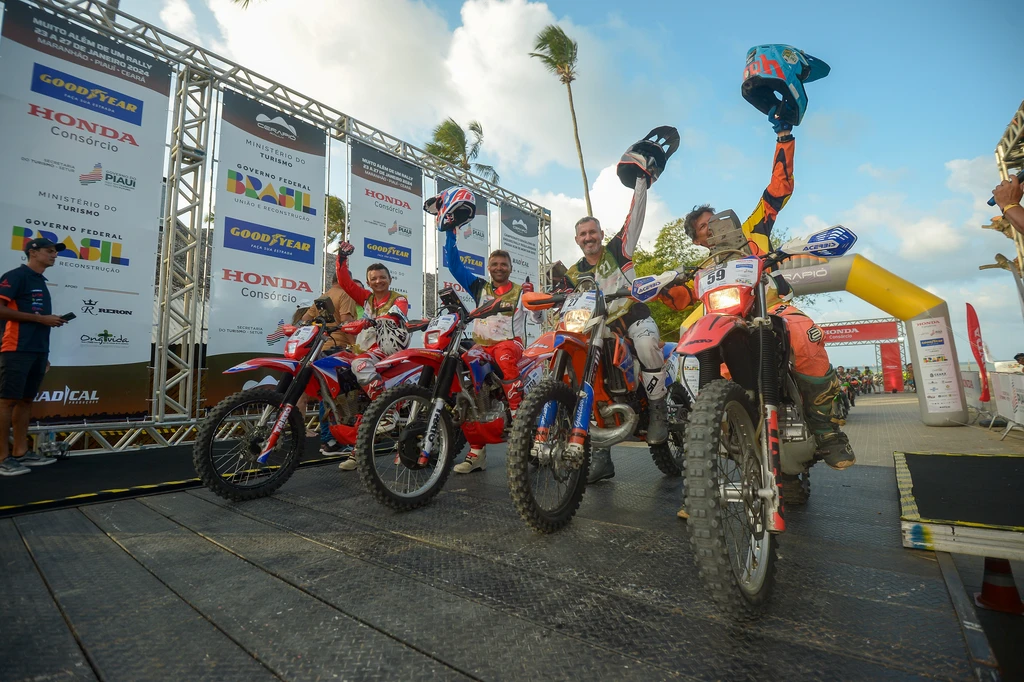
x=969, y=488
x=106, y=477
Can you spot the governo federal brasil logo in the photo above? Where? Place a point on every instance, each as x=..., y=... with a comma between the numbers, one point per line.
x=77, y=247
x=262, y=189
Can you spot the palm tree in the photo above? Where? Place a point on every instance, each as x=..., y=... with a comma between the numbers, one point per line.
x=559, y=53
x=450, y=142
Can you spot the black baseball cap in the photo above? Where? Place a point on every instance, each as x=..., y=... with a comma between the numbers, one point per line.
x=42, y=243
x=1018, y=356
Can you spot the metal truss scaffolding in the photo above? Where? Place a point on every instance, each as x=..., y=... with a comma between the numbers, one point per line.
x=199, y=75
x=901, y=335
x=1010, y=159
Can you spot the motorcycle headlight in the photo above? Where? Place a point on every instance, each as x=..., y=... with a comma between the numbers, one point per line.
x=723, y=299
x=576, y=320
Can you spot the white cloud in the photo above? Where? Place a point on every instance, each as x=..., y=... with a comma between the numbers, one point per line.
x=177, y=17
x=975, y=177
x=882, y=174
x=611, y=201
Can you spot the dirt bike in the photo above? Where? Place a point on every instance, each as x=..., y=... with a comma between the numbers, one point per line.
x=841, y=403
x=411, y=434
x=746, y=431
x=593, y=377
x=251, y=442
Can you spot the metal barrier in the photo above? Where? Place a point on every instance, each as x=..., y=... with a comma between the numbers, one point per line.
x=1007, y=397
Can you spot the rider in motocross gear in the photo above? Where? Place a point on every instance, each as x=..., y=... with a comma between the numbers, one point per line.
x=814, y=374
x=376, y=341
x=611, y=267
x=500, y=336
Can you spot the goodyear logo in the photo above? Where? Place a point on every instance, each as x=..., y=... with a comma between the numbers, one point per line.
x=267, y=241
x=474, y=264
x=86, y=94
x=387, y=252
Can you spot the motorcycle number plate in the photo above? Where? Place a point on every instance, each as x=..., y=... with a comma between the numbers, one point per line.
x=583, y=300
x=443, y=323
x=303, y=334
x=739, y=272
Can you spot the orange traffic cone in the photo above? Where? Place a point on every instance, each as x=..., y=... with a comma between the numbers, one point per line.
x=998, y=591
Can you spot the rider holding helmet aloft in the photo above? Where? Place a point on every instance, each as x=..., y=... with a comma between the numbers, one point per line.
x=611, y=267
x=773, y=71
x=500, y=336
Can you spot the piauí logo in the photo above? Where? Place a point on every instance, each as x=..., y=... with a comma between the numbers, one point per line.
x=277, y=126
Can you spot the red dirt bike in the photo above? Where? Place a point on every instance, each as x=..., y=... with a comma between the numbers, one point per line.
x=592, y=397
x=251, y=442
x=744, y=432
x=411, y=434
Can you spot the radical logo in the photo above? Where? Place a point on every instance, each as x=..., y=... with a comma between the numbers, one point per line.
x=67, y=396
x=86, y=248
x=267, y=241
x=263, y=190
x=109, y=178
x=86, y=94
x=277, y=126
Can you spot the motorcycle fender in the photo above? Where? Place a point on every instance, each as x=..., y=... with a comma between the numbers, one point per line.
x=708, y=332
x=280, y=364
x=546, y=344
x=420, y=356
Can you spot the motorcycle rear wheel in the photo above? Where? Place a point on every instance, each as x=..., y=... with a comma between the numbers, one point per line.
x=734, y=552
x=232, y=436
x=530, y=480
x=388, y=465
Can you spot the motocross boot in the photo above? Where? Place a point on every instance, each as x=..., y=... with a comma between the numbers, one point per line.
x=657, y=424
x=832, y=444
x=601, y=466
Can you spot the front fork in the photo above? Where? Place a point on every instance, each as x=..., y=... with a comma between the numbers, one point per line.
x=293, y=390
x=445, y=376
x=584, y=408
x=771, y=491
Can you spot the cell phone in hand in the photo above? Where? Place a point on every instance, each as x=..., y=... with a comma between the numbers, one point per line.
x=68, y=317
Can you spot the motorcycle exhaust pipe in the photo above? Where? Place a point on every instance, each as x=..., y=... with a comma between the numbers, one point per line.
x=607, y=437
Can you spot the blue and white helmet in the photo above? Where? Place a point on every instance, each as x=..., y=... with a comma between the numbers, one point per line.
x=452, y=208
x=774, y=77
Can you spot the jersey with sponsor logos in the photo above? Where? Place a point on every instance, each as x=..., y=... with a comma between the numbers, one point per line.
x=372, y=306
x=614, y=269
x=23, y=289
x=497, y=328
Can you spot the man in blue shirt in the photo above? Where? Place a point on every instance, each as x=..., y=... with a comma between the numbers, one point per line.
x=25, y=320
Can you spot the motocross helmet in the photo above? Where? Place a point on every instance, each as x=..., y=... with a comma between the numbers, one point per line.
x=453, y=208
x=774, y=78
x=392, y=336
x=647, y=158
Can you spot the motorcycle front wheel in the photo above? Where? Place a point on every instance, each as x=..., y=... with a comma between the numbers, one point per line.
x=388, y=448
x=545, y=484
x=732, y=549
x=232, y=437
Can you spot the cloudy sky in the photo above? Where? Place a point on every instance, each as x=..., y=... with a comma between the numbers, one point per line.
x=897, y=143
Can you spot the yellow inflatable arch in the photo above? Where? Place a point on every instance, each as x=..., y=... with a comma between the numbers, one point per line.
x=941, y=401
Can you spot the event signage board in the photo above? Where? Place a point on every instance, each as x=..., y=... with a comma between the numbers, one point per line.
x=268, y=240
x=892, y=367
x=520, y=236
x=386, y=221
x=847, y=332
x=84, y=122
x=936, y=375
x=472, y=241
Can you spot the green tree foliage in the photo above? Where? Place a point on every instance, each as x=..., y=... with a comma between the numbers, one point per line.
x=559, y=54
x=335, y=217
x=672, y=251
x=451, y=143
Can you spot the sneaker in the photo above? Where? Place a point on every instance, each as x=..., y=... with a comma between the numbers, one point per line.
x=33, y=459
x=834, y=449
x=476, y=460
x=348, y=464
x=11, y=467
x=331, y=447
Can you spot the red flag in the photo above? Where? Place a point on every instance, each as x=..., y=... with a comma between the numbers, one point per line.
x=974, y=334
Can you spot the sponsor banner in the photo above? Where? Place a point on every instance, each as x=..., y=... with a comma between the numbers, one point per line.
x=892, y=367
x=473, y=243
x=386, y=221
x=520, y=236
x=268, y=243
x=1017, y=397
x=935, y=372
x=845, y=332
x=972, y=389
x=1002, y=387
x=978, y=348
x=84, y=121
